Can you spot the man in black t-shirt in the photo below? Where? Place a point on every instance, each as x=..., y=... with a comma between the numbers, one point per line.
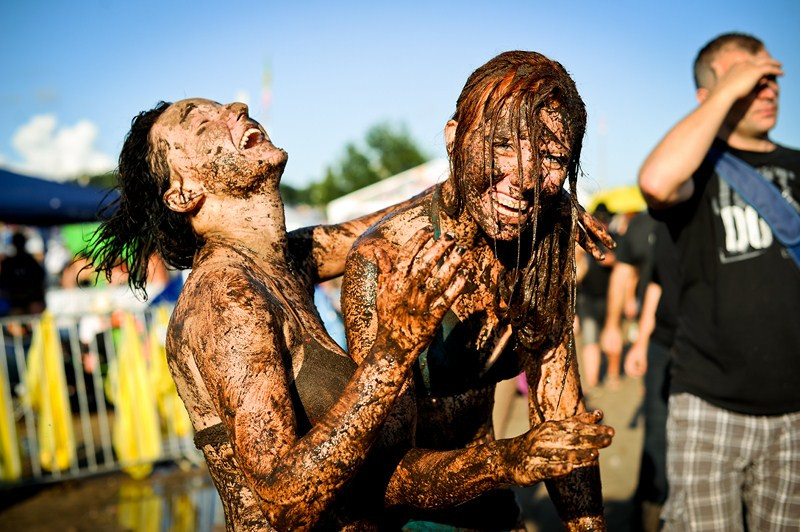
x=734, y=410
x=648, y=357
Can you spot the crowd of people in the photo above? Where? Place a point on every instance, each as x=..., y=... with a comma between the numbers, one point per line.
x=495, y=271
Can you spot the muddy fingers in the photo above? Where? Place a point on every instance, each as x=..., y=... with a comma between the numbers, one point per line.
x=415, y=293
x=442, y=304
x=410, y=250
x=590, y=232
x=576, y=441
x=424, y=264
x=586, y=243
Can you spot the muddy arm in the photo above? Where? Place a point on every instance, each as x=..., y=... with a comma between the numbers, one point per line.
x=323, y=248
x=435, y=479
x=555, y=394
x=666, y=175
x=239, y=353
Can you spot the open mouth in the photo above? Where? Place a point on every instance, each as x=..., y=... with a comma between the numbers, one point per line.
x=252, y=137
x=508, y=206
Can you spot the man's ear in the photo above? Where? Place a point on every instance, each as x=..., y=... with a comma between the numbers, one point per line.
x=702, y=94
x=183, y=198
x=450, y=135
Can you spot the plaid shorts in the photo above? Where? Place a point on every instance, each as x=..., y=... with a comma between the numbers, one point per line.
x=726, y=468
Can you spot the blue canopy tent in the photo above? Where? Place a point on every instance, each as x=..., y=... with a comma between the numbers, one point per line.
x=29, y=200
x=33, y=201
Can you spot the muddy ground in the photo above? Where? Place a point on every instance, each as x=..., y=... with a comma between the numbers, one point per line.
x=174, y=499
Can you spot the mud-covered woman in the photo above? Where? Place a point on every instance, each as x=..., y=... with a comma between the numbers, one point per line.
x=514, y=140
x=282, y=415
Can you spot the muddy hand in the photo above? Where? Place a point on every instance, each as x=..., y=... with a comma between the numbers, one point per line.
x=590, y=232
x=554, y=448
x=415, y=291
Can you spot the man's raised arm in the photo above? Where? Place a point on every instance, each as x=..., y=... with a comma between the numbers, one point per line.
x=665, y=176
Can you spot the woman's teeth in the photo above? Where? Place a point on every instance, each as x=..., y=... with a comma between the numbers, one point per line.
x=244, y=143
x=517, y=204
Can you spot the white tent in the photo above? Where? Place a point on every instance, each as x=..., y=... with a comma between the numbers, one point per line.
x=388, y=191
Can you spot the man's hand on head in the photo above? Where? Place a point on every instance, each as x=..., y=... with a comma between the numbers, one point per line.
x=739, y=80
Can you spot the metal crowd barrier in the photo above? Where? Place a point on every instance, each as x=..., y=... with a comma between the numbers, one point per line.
x=89, y=394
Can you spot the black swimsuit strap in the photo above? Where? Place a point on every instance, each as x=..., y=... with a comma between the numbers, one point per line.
x=214, y=435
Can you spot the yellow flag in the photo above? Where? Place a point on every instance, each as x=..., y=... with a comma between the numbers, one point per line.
x=173, y=412
x=136, y=434
x=184, y=513
x=46, y=392
x=10, y=466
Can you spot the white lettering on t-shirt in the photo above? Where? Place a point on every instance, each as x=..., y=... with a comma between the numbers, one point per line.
x=744, y=229
x=746, y=234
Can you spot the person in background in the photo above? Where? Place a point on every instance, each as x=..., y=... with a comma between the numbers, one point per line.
x=733, y=430
x=649, y=357
x=626, y=291
x=593, y=277
x=22, y=280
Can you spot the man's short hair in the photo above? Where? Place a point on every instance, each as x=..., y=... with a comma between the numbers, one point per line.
x=703, y=73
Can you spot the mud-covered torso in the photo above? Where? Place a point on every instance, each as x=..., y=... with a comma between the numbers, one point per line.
x=319, y=383
x=476, y=346
x=458, y=360
x=318, y=373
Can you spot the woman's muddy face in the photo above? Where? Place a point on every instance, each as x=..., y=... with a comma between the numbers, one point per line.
x=227, y=149
x=501, y=199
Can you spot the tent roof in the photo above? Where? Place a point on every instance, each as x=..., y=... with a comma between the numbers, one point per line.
x=33, y=201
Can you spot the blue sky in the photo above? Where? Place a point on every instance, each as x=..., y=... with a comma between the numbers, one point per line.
x=75, y=72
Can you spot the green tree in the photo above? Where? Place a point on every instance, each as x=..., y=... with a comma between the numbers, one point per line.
x=320, y=193
x=107, y=180
x=388, y=151
x=395, y=149
x=294, y=196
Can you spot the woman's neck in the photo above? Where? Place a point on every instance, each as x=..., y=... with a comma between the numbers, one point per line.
x=256, y=223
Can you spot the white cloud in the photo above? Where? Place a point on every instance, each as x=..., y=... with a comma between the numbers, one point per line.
x=59, y=153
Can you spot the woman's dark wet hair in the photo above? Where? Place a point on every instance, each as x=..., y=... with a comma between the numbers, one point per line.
x=518, y=86
x=140, y=223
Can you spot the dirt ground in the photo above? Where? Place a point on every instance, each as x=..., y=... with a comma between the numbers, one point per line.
x=172, y=499
x=619, y=463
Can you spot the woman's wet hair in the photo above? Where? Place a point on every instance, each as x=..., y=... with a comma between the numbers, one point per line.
x=519, y=87
x=140, y=223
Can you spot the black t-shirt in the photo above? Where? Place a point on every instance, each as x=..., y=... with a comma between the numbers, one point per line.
x=595, y=283
x=738, y=339
x=636, y=248
x=22, y=281
x=665, y=274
